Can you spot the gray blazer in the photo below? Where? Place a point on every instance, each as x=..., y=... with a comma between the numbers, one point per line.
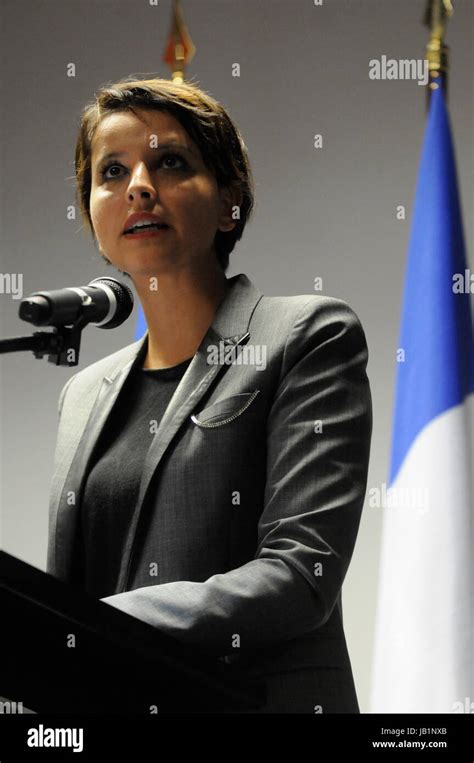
x=251, y=492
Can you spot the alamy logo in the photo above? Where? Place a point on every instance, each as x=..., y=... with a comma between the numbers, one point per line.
x=416, y=498
x=239, y=355
x=47, y=737
x=10, y=707
x=467, y=706
x=12, y=283
x=408, y=68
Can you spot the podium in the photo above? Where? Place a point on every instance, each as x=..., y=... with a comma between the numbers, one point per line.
x=64, y=652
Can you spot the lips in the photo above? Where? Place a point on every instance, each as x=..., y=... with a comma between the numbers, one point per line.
x=149, y=228
x=143, y=217
x=148, y=232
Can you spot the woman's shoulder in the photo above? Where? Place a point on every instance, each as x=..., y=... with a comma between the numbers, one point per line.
x=309, y=331
x=315, y=311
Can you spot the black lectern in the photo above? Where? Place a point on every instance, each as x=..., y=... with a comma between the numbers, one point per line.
x=65, y=652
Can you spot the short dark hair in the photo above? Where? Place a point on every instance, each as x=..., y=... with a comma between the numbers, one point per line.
x=207, y=123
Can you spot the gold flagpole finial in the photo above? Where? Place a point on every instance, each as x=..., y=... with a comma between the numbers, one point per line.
x=436, y=18
x=180, y=50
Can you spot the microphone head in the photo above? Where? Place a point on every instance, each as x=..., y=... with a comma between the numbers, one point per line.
x=124, y=299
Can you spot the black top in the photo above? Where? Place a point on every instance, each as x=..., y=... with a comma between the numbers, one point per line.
x=112, y=484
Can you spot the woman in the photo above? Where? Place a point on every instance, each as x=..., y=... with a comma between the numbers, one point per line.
x=209, y=478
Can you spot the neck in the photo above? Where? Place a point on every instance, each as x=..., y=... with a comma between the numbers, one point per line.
x=179, y=312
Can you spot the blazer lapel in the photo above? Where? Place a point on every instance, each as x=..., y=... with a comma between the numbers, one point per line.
x=230, y=328
x=68, y=502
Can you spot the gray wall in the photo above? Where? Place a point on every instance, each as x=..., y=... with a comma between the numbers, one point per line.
x=329, y=212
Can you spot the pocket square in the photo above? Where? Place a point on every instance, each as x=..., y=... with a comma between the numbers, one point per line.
x=224, y=411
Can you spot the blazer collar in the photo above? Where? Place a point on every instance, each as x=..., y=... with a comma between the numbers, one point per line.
x=230, y=323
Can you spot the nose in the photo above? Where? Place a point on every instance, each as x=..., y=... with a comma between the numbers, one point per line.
x=141, y=185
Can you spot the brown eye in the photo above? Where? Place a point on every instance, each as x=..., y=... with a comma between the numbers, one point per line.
x=108, y=167
x=165, y=157
x=175, y=156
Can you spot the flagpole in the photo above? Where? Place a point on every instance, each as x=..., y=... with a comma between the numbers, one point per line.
x=179, y=50
x=436, y=18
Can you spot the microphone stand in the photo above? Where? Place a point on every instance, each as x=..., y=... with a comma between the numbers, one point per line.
x=62, y=345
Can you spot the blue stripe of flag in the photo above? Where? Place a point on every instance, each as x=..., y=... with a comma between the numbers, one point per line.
x=436, y=329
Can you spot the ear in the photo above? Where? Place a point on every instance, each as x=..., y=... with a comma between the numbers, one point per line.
x=230, y=199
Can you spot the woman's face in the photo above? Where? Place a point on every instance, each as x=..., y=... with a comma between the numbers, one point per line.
x=169, y=181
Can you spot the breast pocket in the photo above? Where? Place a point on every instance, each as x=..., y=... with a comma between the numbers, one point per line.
x=224, y=411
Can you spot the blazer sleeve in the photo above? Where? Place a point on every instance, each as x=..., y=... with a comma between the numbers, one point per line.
x=318, y=441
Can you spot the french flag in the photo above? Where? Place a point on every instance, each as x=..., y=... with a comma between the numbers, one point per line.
x=423, y=657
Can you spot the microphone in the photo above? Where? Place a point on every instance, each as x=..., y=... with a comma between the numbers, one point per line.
x=105, y=302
